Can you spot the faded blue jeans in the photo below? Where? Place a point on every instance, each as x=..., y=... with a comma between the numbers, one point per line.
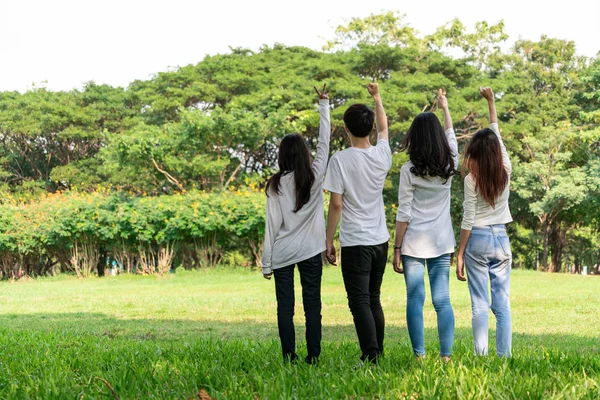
x=488, y=255
x=439, y=274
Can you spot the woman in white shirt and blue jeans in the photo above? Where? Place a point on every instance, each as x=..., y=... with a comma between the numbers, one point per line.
x=424, y=233
x=295, y=233
x=484, y=246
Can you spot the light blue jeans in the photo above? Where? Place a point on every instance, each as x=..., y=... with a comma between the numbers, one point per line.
x=439, y=274
x=488, y=255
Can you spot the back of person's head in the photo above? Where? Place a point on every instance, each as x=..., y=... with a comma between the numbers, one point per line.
x=427, y=146
x=294, y=157
x=483, y=158
x=359, y=120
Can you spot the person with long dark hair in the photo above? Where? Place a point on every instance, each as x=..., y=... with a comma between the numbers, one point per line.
x=295, y=233
x=424, y=234
x=484, y=246
x=355, y=179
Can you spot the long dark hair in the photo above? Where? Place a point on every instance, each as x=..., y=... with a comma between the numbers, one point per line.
x=483, y=159
x=294, y=157
x=428, y=148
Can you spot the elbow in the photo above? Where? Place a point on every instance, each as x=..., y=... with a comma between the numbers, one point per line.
x=335, y=207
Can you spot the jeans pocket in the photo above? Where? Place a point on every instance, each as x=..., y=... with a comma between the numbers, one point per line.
x=504, y=244
x=478, y=246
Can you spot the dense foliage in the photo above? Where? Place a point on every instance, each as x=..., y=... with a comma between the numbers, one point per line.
x=137, y=171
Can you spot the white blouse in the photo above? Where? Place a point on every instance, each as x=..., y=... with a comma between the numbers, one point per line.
x=477, y=211
x=293, y=237
x=424, y=202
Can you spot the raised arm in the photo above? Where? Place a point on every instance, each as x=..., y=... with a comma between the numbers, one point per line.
x=448, y=128
x=380, y=117
x=319, y=164
x=488, y=94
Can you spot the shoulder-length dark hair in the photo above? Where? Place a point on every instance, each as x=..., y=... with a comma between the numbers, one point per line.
x=428, y=148
x=294, y=157
x=483, y=159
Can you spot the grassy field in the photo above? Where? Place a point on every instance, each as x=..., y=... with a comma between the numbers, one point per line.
x=173, y=336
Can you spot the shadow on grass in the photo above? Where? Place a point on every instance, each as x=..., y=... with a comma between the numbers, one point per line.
x=171, y=330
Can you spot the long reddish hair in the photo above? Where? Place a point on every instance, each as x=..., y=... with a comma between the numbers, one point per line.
x=483, y=159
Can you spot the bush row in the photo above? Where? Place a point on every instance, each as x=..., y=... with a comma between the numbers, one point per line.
x=80, y=232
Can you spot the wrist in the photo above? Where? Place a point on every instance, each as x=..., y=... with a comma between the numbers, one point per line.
x=377, y=97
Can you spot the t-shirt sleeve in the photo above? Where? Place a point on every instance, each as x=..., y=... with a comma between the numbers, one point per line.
x=405, y=196
x=469, y=204
x=385, y=152
x=334, y=181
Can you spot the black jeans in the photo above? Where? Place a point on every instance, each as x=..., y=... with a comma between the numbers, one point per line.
x=362, y=269
x=311, y=271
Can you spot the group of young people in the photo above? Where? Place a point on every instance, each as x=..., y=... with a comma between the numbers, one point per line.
x=296, y=234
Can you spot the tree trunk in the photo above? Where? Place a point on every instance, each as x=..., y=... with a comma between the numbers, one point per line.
x=545, y=237
x=558, y=239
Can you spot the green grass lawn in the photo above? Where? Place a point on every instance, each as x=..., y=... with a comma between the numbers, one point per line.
x=170, y=337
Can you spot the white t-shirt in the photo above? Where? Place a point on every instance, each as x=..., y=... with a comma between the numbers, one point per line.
x=358, y=175
x=424, y=202
x=293, y=237
x=477, y=211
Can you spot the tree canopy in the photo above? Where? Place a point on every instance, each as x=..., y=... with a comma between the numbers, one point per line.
x=215, y=125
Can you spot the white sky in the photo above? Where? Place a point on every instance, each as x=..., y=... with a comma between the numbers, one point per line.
x=68, y=42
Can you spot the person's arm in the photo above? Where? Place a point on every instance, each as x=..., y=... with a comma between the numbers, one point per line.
x=273, y=225
x=460, y=260
x=448, y=128
x=381, y=122
x=320, y=162
x=469, y=209
x=333, y=219
x=400, y=232
x=403, y=216
x=334, y=184
x=488, y=94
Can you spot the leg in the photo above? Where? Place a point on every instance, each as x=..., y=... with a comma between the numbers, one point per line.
x=284, y=290
x=439, y=280
x=500, y=285
x=311, y=271
x=477, y=274
x=356, y=270
x=414, y=275
x=377, y=271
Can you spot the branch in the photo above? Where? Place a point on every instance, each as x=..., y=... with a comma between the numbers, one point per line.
x=235, y=171
x=169, y=177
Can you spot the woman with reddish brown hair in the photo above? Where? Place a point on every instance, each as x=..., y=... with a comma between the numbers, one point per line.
x=484, y=247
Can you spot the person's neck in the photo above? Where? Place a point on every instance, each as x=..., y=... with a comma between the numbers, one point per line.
x=360, y=143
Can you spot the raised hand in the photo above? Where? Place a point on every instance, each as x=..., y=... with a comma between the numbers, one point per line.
x=323, y=95
x=373, y=89
x=442, y=100
x=487, y=93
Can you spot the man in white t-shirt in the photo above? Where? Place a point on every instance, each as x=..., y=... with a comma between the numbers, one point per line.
x=355, y=179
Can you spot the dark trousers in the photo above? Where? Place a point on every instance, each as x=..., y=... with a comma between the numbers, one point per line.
x=311, y=271
x=362, y=269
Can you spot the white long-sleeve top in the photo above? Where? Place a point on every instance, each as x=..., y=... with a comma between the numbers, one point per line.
x=293, y=237
x=424, y=202
x=477, y=211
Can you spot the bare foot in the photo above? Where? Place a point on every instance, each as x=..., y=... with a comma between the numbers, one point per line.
x=420, y=358
x=446, y=359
